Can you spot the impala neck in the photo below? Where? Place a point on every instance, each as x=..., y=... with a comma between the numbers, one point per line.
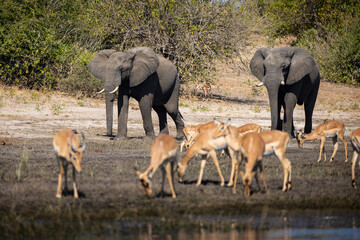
x=311, y=136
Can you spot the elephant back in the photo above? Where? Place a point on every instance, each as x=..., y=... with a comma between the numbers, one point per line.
x=167, y=74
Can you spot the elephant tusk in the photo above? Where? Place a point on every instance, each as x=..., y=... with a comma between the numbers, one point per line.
x=102, y=90
x=115, y=89
x=259, y=84
x=282, y=83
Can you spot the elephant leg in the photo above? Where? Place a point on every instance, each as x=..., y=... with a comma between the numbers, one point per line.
x=123, y=110
x=172, y=107
x=309, y=109
x=179, y=125
x=175, y=114
x=289, y=104
x=161, y=112
x=145, y=105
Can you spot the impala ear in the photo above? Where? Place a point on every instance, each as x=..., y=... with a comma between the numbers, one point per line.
x=242, y=174
x=228, y=122
x=253, y=174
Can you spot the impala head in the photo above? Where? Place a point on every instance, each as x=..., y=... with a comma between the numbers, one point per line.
x=76, y=153
x=145, y=181
x=187, y=145
x=181, y=171
x=300, y=137
x=246, y=177
x=222, y=129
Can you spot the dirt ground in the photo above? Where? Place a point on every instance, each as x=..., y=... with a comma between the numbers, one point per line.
x=108, y=186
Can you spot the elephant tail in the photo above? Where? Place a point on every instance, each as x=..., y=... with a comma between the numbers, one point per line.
x=181, y=116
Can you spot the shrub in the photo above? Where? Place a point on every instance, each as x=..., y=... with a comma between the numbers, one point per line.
x=328, y=29
x=79, y=80
x=46, y=44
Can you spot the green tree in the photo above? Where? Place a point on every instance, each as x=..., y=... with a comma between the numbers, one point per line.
x=328, y=29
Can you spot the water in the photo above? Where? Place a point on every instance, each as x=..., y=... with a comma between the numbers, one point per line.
x=280, y=225
x=262, y=226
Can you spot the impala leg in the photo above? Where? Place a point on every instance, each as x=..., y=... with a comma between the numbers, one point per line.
x=76, y=195
x=169, y=173
x=65, y=176
x=322, y=149
x=289, y=175
x=236, y=174
x=237, y=167
x=285, y=163
x=345, y=145
x=336, y=146
x=263, y=176
x=163, y=179
x=212, y=153
x=233, y=164
x=182, y=145
x=61, y=174
x=257, y=180
x=353, y=163
x=202, y=166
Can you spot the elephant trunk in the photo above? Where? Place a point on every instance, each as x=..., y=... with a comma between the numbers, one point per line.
x=273, y=92
x=109, y=111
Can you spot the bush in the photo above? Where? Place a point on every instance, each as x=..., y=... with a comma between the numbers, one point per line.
x=79, y=80
x=338, y=57
x=47, y=44
x=190, y=33
x=328, y=29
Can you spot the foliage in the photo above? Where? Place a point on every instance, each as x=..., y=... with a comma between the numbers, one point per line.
x=33, y=48
x=329, y=29
x=48, y=43
x=190, y=33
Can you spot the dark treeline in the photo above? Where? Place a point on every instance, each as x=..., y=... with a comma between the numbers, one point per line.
x=46, y=44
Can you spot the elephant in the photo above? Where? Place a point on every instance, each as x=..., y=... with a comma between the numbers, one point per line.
x=145, y=76
x=291, y=76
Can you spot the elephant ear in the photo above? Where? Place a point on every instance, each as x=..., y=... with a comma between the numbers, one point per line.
x=97, y=65
x=301, y=64
x=257, y=63
x=145, y=63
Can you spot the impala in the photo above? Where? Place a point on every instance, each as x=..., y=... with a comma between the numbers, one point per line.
x=276, y=143
x=191, y=132
x=331, y=129
x=206, y=88
x=251, y=147
x=355, y=142
x=206, y=144
x=163, y=155
x=250, y=127
x=68, y=151
x=235, y=133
